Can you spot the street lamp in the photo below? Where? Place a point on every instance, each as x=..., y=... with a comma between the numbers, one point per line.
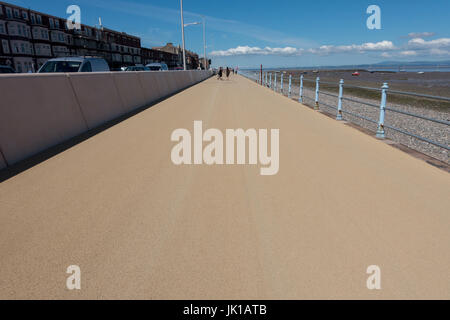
x=182, y=35
x=204, y=44
x=204, y=38
x=191, y=24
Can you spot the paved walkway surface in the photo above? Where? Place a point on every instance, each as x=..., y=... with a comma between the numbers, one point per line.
x=141, y=227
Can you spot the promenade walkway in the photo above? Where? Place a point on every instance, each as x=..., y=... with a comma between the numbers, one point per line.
x=140, y=227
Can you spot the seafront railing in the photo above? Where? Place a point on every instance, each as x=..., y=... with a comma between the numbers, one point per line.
x=336, y=102
x=339, y=106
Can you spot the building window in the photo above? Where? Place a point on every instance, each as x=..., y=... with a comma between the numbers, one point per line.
x=9, y=13
x=51, y=23
x=39, y=19
x=33, y=19
x=57, y=24
x=2, y=28
x=25, y=15
x=16, y=14
x=5, y=46
x=19, y=31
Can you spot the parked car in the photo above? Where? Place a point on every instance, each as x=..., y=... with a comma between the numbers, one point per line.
x=157, y=67
x=6, y=69
x=356, y=74
x=75, y=64
x=137, y=68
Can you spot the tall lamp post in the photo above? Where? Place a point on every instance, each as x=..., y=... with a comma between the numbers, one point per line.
x=204, y=45
x=204, y=38
x=182, y=35
x=205, y=60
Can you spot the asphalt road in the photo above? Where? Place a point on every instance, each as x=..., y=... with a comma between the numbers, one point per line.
x=140, y=227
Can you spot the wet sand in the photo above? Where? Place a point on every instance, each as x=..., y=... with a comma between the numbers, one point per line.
x=431, y=83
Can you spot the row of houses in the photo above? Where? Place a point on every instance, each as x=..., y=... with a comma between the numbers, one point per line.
x=29, y=38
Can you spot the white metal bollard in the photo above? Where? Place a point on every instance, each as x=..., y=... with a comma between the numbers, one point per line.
x=275, y=84
x=290, y=86
x=380, y=131
x=300, y=99
x=316, y=106
x=341, y=94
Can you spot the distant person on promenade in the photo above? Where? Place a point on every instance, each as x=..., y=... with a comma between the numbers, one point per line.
x=228, y=73
x=219, y=74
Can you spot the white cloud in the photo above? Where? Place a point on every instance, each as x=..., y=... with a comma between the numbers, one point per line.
x=439, y=52
x=408, y=53
x=421, y=34
x=246, y=50
x=416, y=47
x=417, y=53
x=369, y=46
x=290, y=51
x=419, y=43
x=379, y=46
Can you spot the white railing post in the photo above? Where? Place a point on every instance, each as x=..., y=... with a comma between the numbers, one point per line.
x=316, y=106
x=270, y=82
x=300, y=99
x=380, y=131
x=341, y=94
x=281, y=87
x=290, y=86
x=275, y=84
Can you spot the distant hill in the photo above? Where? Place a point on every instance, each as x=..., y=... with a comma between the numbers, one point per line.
x=392, y=64
x=413, y=63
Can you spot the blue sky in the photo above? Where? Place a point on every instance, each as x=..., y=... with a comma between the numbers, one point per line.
x=279, y=33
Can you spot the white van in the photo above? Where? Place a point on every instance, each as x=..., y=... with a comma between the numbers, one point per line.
x=75, y=64
x=157, y=67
